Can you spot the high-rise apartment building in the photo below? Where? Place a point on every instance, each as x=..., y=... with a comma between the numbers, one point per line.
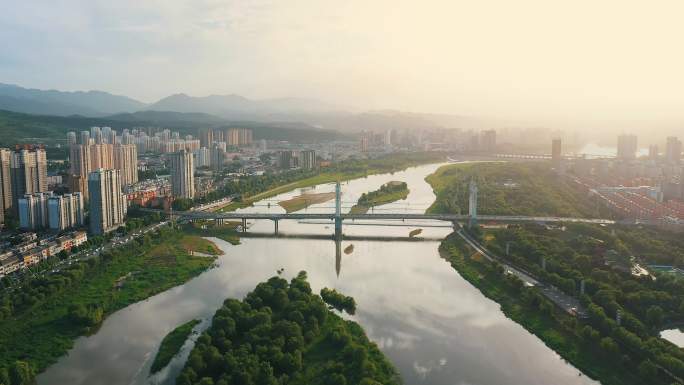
x=107, y=203
x=71, y=138
x=126, y=161
x=653, y=152
x=28, y=168
x=307, y=159
x=673, y=150
x=488, y=140
x=182, y=178
x=84, y=138
x=65, y=211
x=207, y=138
x=5, y=180
x=79, y=161
x=218, y=155
x=288, y=159
x=238, y=137
x=627, y=147
x=101, y=156
x=365, y=141
x=33, y=211
x=96, y=135
x=202, y=157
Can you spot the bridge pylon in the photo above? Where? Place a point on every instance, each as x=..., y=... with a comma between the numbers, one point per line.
x=338, y=210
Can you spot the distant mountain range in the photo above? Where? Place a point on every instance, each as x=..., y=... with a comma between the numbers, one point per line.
x=52, y=102
x=217, y=109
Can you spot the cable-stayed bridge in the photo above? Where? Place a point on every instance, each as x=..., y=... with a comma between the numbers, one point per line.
x=337, y=217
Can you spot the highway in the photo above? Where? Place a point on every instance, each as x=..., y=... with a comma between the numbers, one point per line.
x=569, y=304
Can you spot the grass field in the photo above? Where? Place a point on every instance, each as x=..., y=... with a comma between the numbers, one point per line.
x=171, y=344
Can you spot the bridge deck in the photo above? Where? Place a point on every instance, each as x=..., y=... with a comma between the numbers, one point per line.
x=385, y=216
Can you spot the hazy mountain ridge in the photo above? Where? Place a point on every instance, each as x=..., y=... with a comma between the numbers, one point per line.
x=91, y=103
x=178, y=109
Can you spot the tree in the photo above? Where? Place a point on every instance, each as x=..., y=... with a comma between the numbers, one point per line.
x=609, y=346
x=647, y=369
x=655, y=316
x=338, y=301
x=22, y=373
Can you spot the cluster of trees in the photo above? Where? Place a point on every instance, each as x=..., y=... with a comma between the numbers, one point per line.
x=385, y=191
x=152, y=174
x=39, y=288
x=508, y=188
x=86, y=316
x=642, y=304
x=608, y=350
x=282, y=333
x=338, y=301
x=246, y=186
x=20, y=373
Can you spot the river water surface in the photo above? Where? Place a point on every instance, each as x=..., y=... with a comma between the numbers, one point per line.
x=432, y=324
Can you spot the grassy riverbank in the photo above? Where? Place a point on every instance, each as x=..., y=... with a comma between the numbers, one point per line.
x=171, y=344
x=387, y=193
x=226, y=232
x=282, y=333
x=44, y=324
x=508, y=189
x=342, y=171
x=526, y=306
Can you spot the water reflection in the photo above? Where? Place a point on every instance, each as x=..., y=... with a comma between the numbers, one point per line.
x=434, y=326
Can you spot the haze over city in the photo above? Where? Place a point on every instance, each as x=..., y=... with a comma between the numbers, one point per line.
x=585, y=65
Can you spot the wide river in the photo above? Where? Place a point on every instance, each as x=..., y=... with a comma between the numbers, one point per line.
x=432, y=324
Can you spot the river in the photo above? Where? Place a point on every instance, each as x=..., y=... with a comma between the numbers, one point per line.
x=432, y=324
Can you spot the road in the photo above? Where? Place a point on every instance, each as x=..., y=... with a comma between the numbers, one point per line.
x=569, y=304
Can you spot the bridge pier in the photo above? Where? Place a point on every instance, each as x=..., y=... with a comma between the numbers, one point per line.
x=244, y=225
x=275, y=221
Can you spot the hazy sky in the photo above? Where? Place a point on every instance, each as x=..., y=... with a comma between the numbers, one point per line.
x=600, y=61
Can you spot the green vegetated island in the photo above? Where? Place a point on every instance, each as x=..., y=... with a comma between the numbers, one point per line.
x=40, y=322
x=605, y=258
x=171, y=345
x=283, y=333
x=387, y=193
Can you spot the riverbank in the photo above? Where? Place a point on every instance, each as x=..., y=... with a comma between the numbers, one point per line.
x=90, y=290
x=387, y=193
x=171, y=344
x=527, y=307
